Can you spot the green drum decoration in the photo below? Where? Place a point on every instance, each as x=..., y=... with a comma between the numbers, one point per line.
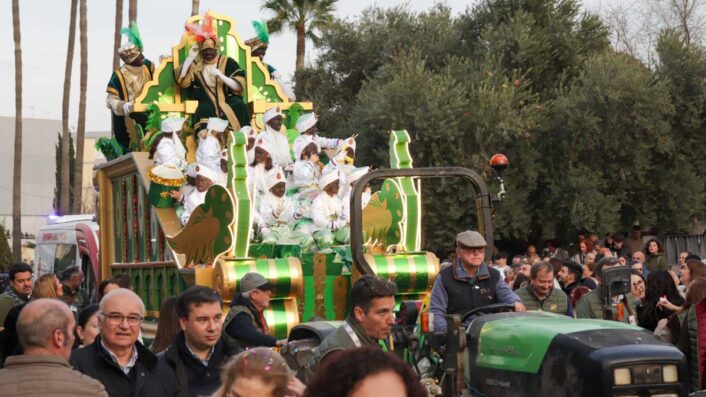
x=164, y=179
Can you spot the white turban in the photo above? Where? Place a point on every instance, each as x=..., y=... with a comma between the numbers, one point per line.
x=216, y=124
x=271, y=113
x=172, y=124
x=206, y=172
x=328, y=178
x=305, y=122
x=275, y=176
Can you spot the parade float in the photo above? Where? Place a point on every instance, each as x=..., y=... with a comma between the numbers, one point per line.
x=162, y=257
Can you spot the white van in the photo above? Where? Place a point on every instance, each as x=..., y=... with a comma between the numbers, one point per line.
x=68, y=241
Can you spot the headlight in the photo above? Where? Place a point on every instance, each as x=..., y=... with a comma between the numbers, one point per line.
x=621, y=376
x=646, y=374
x=670, y=374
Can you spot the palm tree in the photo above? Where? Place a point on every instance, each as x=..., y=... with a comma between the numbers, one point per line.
x=116, y=35
x=81, y=128
x=64, y=181
x=132, y=11
x=17, y=166
x=195, y=7
x=304, y=17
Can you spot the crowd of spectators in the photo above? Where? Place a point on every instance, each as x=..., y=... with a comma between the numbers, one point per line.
x=93, y=344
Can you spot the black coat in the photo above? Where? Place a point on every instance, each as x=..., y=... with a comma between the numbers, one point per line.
x=195, y=379
x=148, y=378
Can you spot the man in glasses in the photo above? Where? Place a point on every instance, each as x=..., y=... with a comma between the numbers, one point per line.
x=469, y=283
x=117, y=359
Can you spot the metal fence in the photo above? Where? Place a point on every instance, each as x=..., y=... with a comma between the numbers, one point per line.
x=674, y=244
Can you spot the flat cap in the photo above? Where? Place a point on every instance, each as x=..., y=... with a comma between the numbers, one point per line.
x=470, y=239
x=252, y=280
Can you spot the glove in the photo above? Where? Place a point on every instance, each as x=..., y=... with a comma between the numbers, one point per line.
x=215, y=72
x=127, y=108
x=193, y=52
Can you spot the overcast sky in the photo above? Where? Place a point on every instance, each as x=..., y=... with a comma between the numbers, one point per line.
x=45, y=25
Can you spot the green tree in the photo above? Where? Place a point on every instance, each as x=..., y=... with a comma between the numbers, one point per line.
x=547, y=40
x=682, y=68
x=304, y=17
x=604, y=148
x=350, y=52
x=5, y=251
x=61, y=164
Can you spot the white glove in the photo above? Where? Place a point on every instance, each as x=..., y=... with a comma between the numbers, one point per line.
x=193, y=52
x=215, y=72
x=127, y=108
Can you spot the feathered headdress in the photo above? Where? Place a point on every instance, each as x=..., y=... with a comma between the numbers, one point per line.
x=133, y=48
x=133, y=35
x=204, y=33
x=262, y=36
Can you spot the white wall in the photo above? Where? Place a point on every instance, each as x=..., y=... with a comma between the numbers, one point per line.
x=38, y=165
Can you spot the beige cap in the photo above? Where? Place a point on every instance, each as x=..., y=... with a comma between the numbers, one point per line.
x=470, y=239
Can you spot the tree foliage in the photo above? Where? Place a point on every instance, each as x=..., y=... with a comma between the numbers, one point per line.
x=596, y=140
x=5, y=251
x=60, y=165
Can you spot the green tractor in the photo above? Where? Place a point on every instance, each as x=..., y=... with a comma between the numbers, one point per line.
x=543, y=354
x=502, y=353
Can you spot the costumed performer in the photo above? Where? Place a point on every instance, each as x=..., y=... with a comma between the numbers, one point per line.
x=167, y=147
x=126, y=85
x=327, y=211
x=205, y=177
x=251, y=134
x=277, y=215
x=258, y=47
x=209, y=151
x=307, y=169
x=343, y=161
x=351, y=181
x=278, y=139
x=306, y=125
x=216, y=81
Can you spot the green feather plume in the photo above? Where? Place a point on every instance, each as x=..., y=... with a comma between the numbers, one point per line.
x=109, y=147
x=133, y=34
x=261, y=29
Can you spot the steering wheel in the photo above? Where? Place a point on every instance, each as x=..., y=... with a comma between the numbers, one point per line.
x=488, y=309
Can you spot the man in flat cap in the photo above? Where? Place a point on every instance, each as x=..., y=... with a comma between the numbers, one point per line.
x=245, y=324
x=469, y=283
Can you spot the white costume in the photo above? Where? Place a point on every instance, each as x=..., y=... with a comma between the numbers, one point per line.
x=304, y=123
x=209, y=151
x=346, y=197
x=257, y=174
x=250, y=133
x=277, y=216
x=341, y=161
x=326, y=210
x=196, y=198
x=170, y=150
x=278, y=140
x=275, y=210
x=305, y=173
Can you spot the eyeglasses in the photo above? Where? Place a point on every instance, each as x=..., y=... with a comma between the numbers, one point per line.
x=117, y=318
